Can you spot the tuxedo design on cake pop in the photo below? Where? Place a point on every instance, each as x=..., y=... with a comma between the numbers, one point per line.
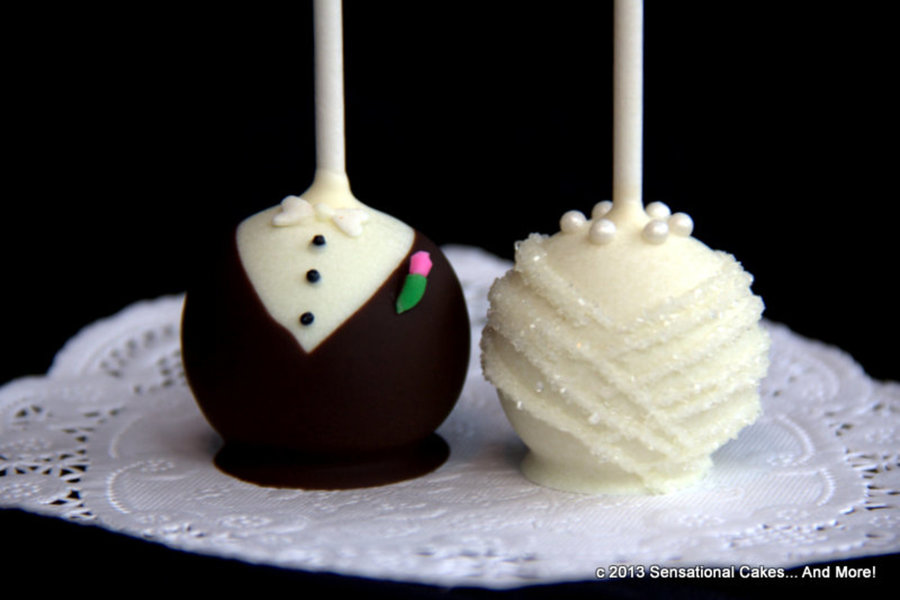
x=326, y=384
x=293, y=340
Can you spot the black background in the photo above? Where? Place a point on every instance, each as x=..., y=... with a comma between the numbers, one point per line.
x=132, y=135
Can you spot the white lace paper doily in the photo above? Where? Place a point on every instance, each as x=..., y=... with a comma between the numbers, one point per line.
x=112, y=437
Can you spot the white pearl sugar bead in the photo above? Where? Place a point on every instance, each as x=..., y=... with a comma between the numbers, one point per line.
x=600, y=209
x=657, y=210
x=656, y=231
x=681, y=224
x=602, y=231
x=572, y=221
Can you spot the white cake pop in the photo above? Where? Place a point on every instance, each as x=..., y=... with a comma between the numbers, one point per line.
x=624, y=365
x=624, y=351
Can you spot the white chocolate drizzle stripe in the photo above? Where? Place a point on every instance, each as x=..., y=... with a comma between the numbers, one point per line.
x=728, y=284
x=652, y=427
x=523, y=327
x=569, y=405
x=616, y=449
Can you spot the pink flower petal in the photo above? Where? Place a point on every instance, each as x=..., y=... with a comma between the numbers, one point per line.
x=420, y=263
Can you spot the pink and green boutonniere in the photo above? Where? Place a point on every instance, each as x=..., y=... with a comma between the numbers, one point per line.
x=416, y=281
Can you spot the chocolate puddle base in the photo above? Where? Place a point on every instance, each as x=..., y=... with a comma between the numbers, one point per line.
x=272, y=467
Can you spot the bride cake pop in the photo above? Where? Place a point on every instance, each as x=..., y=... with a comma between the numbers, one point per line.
x=624, y=350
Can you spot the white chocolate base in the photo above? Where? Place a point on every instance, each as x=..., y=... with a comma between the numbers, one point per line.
x=623, y=362
x=562, y=461
x=277, y=258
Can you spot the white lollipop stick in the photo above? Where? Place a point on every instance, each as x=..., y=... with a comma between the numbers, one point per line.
x=329, y=86
x=628, y=75
x=330, y=186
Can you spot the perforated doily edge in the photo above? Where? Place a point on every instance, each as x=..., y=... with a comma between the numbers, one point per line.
x=75, y=356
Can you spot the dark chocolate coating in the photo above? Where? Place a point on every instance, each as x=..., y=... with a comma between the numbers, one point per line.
x=358, y=410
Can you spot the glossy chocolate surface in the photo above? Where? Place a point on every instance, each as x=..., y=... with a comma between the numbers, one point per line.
x=358, y=410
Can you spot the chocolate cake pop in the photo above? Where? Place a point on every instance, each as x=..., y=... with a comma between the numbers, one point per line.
x=329, y=340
